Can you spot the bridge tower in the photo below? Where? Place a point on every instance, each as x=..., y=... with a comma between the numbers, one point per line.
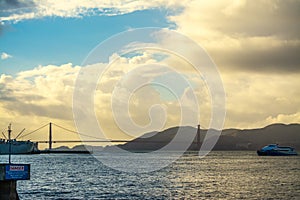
x=50, y=136
x=198, y=137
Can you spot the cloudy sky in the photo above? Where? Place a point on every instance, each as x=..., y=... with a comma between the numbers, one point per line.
x=254, y=44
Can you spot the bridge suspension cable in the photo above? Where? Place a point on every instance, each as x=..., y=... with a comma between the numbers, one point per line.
x=79, y=133
x=34, y=130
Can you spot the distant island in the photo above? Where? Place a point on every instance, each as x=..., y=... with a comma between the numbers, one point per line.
x=230, y=139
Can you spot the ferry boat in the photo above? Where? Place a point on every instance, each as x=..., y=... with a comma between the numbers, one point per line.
x=275, y=150
x=17, y=147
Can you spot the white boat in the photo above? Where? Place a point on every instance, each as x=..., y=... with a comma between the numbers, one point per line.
x=275, y=150
x=17, y=147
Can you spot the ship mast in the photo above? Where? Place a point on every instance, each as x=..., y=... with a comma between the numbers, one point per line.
x=9, y=140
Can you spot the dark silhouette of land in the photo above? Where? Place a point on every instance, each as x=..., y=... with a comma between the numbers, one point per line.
x=230, y=139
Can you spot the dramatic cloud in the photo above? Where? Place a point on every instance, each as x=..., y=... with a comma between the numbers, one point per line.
x=138, y=93
x=255, y=44
x=43, y=91
x=45, y=94
x=245, y=35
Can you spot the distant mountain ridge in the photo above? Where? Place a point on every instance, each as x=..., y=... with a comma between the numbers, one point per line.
x=230, y=139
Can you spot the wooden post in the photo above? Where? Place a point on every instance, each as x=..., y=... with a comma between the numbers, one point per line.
x=9, y=174
x=8, y=190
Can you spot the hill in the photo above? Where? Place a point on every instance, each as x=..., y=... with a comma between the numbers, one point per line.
x=230, y=139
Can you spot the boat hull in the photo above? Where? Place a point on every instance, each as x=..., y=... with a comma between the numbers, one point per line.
x=275, y=153
x=18, y=147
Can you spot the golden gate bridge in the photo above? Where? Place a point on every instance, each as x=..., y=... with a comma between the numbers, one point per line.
x=93, y=139
x=50, y=140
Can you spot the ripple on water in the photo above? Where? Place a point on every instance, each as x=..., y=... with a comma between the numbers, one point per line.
x=220, y=175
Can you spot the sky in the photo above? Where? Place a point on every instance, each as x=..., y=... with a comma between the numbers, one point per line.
x=254, y=45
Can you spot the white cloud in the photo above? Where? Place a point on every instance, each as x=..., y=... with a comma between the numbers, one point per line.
x=239, y=35
x=35, y=97
x=45, y=94
x=78, y=8
x=129, y=82
x=43, y=91
x=5, y=56
x=256, y=100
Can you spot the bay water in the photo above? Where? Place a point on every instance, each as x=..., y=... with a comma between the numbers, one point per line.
x=219, y=175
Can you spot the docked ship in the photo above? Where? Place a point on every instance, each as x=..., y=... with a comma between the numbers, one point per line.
x=275, y=150
x=14, y=146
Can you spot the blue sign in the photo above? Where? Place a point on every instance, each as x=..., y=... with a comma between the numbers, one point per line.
x=17, y=172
